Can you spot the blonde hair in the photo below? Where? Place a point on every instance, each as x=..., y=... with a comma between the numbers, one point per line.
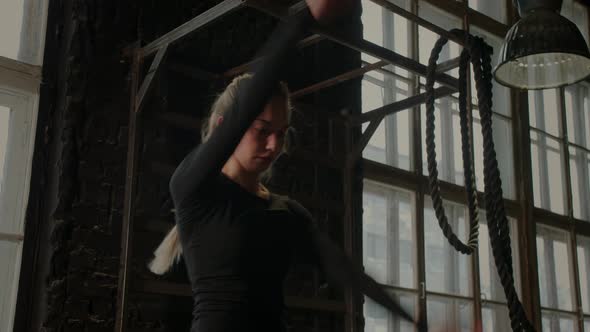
x=170, y=250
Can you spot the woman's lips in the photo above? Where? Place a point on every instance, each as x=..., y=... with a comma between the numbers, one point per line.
x=266, y=159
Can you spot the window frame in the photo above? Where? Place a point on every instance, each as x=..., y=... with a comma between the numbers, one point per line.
x=20, y=82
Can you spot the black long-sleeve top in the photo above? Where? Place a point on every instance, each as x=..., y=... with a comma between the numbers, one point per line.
x=238, y=246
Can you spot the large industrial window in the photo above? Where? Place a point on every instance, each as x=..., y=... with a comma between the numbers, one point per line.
x=22, y=31
x=403, y=246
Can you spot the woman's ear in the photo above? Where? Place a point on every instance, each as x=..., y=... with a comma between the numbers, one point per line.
x=219, y=121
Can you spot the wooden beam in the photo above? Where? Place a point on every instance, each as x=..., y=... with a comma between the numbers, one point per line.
x=146, y=85
x=191, y=26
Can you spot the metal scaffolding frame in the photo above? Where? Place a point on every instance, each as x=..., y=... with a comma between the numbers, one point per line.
x=141, y=88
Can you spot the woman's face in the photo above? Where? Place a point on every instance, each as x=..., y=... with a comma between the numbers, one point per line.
x=263, y=141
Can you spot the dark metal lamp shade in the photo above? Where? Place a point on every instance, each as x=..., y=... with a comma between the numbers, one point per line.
x=543, y=50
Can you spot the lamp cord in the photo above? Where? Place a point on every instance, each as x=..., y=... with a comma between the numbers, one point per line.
x=479, y=53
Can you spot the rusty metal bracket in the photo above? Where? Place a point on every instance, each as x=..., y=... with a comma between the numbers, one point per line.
x=146, y=85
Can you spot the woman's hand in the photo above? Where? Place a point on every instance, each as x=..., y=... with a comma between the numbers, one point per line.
x=325, y=11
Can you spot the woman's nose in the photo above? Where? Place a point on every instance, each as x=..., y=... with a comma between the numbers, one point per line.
x=272, y=142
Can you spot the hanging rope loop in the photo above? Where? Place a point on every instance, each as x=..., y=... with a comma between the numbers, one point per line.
x=478, y=53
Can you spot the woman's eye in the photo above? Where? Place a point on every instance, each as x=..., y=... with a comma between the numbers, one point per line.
x=263, y=131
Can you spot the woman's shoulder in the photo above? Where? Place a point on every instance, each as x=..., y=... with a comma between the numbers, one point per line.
x=291, y=205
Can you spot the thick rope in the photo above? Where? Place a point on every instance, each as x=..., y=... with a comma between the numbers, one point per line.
x=437, y=202
x=479, y=53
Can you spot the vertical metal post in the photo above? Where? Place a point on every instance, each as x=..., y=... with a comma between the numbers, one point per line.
x=421, y=313
x=526, y=224
x=570, y=212
x=130, y=182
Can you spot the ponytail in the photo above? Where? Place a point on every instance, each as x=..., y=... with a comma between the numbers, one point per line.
x=167, y=254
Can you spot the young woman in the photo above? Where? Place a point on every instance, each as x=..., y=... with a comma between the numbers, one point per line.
x=236, y=237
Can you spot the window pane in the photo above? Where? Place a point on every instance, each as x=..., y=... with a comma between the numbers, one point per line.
x=577, y=13
x=4, y=120
x=495, y=317
x=447, y=130
x=447, y=134
x=579, y=168
x=386, y=29
x=553, y=256
x=548, y=172
x=587, y=325
x=450, y=314
x=584, y=271
x=544, y=111
x=493, y=9
x=379, y=319
x=447, y=270
x=427, y=38
x=557, y=322
x=11, y=20
x=503, y=144
x=22, y=30
x=491, y=287
x=10, y=259
x=389, y=253
x=577, y=108
x=391, y=143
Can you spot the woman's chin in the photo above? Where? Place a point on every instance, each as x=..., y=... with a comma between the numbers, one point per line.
x=259, y=165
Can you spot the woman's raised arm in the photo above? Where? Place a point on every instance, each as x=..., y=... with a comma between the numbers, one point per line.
x=205, y=161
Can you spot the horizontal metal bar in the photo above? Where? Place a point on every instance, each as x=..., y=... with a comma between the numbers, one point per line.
x=420, y=21
x=311, y=40
x=11, y=237
x=191, y=26
x=193, y=72
x=308, y=41
x=360, y=45
x=338, y=79
x=451, y=64
x=559, y=312
x=410, y=181
x=182, y=289
x=387, y=72
x=450, y=296
x=398, y=106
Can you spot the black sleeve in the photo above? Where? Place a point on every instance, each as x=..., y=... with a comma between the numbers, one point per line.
x=205, y=161
x=336, y=265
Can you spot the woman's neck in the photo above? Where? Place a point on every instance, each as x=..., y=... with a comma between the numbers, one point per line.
x=248, y=181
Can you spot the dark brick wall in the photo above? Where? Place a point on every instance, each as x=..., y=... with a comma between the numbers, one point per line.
x=86, y=144
x=87, y=134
